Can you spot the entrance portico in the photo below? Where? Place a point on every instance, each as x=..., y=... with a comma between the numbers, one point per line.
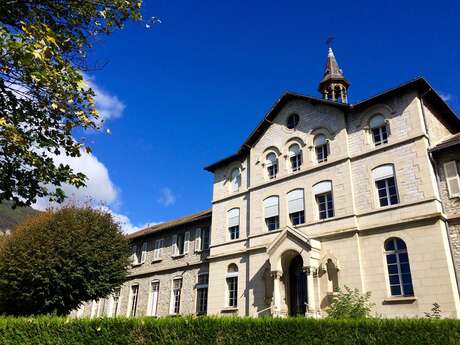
x=294, y=260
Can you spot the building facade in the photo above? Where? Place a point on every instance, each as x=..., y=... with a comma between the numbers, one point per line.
x=323, y=194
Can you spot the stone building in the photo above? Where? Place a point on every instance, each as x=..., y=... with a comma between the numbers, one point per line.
x=322, y=194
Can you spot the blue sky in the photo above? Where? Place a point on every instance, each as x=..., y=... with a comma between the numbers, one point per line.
x=188, y=91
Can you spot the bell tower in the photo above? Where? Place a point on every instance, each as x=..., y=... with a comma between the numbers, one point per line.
x=333, y=86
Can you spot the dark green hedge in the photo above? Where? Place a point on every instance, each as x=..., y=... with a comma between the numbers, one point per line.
x=237, y=331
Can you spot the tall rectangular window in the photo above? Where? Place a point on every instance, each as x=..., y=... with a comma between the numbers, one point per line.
x=154, y=292
x=233, y=220
x=296, y=207
x=202, y=294
x=232, y=289
x=178, y=244
x=175, y=296
x=115, y=303
x=271, y=213
x=205, y=232
x=325, y=205
x=139, y=252
x=385, y=184
x=379, y=130
x=133, y=300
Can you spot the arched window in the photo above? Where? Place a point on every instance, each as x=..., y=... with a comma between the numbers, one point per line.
x=232, y=285
x=385, y=184
x=272, y=165
x=235, y=178
x=271, y=213
x=233, y=221
x=296, y=206
x=323, y=195
x=379, y=130
x=295, y=156
x=321, y=148
x=398, y=267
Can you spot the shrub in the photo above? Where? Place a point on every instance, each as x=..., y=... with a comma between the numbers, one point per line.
x=227, y=331
x=350, y=304
x=58, y=259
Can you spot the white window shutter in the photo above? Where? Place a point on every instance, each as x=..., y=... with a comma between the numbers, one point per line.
x=452, y=178
x=295, y=201
x=174, y=245
x=133, y=255
x=198, y=239
x=156, y=250
x=144, y=252
x=186, y=242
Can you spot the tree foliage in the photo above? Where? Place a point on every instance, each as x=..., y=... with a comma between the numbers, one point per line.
x=350, y=304
x=43, y=97
x=58, y=259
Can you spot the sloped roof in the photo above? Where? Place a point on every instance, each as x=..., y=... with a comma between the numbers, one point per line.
x=171, y=224
x=430, y=97
x=332, y=71
x=448, y=142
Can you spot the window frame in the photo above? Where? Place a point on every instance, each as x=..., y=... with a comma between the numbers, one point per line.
x=322, y=151
x=297, y=214
x=397, y=253
x=379, y=175
x=272, y=167
x=133, y=300
x=381, y=131
x=231, y=283
x=176, y=294
x=328, y=199
x=233, y=229
x=295, y=158
x=202, y=294
x=235, y=185
x=150, y=307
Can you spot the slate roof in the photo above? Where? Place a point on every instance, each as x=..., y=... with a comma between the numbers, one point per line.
x=171, y=224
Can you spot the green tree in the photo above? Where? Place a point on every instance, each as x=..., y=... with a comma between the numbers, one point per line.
x=43, y=97
x=56, y=260
x=350, y=304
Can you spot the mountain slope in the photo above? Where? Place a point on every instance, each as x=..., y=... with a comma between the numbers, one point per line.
x=9, y=217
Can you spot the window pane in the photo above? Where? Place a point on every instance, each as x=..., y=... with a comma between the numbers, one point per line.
x=395, y=290
x=390, y=244
x=391, y=259
x=383, y=202
x=406, y=279
x=394, y=279
x=408, y=289
x=400, y=244
x=392, y=269
x=403, y=258
x=405, y=268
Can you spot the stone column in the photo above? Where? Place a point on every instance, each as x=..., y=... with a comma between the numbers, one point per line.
x=276, y=293
x=311, y=308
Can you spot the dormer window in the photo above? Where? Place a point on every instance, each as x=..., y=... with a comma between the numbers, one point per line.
x=321, y=148
x=379, y=130
x=295, y=157
x=272, y=165
x=292, y=121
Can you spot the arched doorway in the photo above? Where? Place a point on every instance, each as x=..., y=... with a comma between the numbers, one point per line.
x=297, y=287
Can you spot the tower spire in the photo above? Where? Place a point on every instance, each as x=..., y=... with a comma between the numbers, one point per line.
x=333, y=86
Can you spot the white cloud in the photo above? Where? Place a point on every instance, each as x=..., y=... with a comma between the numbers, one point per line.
x=167, y=197
x=125, y=222
x=99, y=187
x=445, y=96
x=109, y=106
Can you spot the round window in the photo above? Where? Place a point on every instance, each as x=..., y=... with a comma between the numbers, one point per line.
x=292, y=121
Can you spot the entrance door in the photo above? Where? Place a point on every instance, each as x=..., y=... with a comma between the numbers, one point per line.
x=297, y=287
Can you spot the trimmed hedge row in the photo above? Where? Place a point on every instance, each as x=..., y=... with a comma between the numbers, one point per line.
x=213, y=330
